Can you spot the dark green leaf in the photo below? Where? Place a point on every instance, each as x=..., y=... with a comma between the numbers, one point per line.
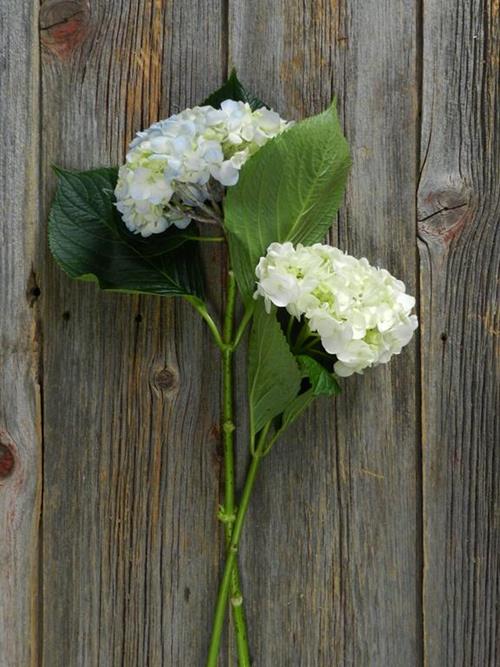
x=274, y=377
x=90, y=241
x=290, y=190
x=322, y=381
x=233, y=89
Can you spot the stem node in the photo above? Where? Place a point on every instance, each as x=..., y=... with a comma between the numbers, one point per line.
x=228, y=427
x=225, y=517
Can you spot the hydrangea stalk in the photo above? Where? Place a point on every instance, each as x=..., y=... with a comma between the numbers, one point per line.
x=317, y=313
x=227, y=343
x=228, y=511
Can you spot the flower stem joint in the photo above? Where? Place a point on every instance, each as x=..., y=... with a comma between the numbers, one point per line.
x=224, y=517
x=228, y=427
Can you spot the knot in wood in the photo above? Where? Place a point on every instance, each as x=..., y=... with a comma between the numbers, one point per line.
x=166, y=379
x=33, y=291
x=64, y=24
x=443, y=213
x=7, y=460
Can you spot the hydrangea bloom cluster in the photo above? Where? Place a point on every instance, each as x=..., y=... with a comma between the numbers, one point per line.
x=361, y=313
x=172, y=167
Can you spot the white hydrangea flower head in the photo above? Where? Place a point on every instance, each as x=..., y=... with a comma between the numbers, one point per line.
x=170, y=165
x=361, y=313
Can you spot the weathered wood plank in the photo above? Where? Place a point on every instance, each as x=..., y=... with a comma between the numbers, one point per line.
x=20, y=415
x=332, y=560
x=131, y=384
x=459, y=208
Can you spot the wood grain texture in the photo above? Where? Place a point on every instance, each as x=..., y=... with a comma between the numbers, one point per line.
x=373, y=538
x=377, y=420
x=130, y=557
x=20, y=415
x=459, y=210
x=332, y=552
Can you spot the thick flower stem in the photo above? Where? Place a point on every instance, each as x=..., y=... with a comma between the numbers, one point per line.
x=228, y=512
x=232, y=554
x=227, y=345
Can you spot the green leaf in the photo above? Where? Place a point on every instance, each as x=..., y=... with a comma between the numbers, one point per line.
x=296, y=408
x=290, y=190
x=274, y=377
x=291, y=413
x=233, y=89
x=90, y=241
x=322, y=381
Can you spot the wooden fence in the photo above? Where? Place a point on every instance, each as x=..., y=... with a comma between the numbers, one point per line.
x=373, y=539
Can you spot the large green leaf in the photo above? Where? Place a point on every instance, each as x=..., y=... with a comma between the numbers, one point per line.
x=90, y=241
x=274, y=377
x=233, y=89
x=323, y=383
x=289, y=190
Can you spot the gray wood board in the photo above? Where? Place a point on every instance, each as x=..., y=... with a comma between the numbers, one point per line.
x=131, y=409
x=459, y=210
x=20, y=412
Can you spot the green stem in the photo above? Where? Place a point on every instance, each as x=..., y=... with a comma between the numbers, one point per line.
x=227, y=346
x=304, y=334
x=207, y=239
x=310, y=345
x=289, y=329
x=247, y=316
x=232, y=552
x=228, y=428
x=202, y=310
